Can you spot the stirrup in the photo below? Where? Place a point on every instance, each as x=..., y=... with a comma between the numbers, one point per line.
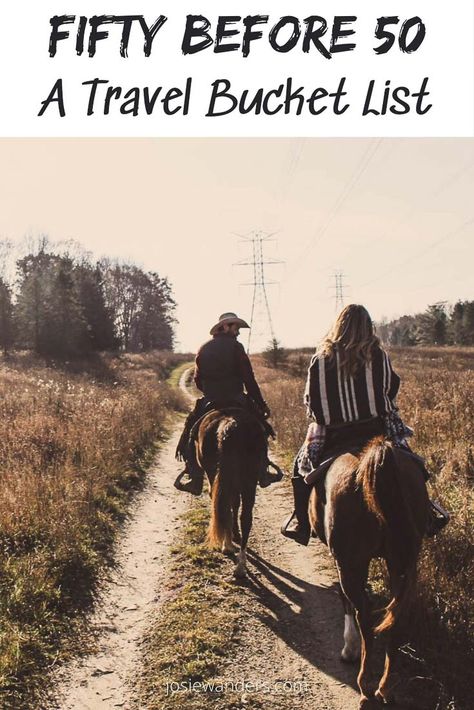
x=177, y=484
x=192, y=486
x=300, y=536
x=279, y=473
x=267, y=478
x=439, y=518
x=440, y=510
x=286, y=522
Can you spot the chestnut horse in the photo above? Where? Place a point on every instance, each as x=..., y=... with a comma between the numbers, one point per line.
x=231, y=447
x=375, y=505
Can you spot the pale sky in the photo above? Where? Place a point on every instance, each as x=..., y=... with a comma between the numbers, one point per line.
x=396, y=216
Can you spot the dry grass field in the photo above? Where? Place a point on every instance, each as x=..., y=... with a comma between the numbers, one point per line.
x=437, y=401
x=73, y=442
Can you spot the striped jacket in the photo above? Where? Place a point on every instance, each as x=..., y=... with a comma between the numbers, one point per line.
x=334, y=398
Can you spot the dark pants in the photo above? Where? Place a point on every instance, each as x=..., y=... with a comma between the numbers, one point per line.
x=184, y=448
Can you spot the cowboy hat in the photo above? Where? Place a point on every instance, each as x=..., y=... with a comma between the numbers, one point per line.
x=228, y=319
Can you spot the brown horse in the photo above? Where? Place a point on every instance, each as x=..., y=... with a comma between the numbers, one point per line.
x=373, y=506
x=231, y=447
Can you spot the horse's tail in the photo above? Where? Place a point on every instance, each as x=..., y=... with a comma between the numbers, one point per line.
x=220, y=526
x=385, y=496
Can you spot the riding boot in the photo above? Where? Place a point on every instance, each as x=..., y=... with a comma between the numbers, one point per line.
x=186, y=450
x=266, y=477
x=438, y=517
x=182, y=449
x=301, y=531
x=195, y=474
x=194, y=483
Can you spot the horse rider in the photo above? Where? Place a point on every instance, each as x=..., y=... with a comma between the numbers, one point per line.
x=224, y=374
x=350, y=394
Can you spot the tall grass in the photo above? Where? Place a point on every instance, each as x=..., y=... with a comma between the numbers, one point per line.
x=72, y=445
x=437, y=400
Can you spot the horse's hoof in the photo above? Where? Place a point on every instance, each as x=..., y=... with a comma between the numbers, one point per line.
x=240, y=572
x=366, y=703
x=228, y=551
x=347, y=657
x=386, y=698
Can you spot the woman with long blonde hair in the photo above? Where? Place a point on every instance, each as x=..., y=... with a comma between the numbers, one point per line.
x=353, y=336
x=350, y=395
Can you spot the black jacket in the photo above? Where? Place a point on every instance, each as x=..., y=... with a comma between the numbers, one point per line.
x=223, y=369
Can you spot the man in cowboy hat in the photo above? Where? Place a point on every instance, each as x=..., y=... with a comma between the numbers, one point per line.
x=223, y=373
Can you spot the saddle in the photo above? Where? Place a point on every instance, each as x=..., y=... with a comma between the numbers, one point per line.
x=203, y=408
x=346, y=439
x=230, y=407
x=318, y=474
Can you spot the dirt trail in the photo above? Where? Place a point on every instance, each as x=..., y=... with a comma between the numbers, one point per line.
x=292, y=617
x=132, y=593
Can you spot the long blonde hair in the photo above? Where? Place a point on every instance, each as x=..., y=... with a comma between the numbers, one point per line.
x=352, y=336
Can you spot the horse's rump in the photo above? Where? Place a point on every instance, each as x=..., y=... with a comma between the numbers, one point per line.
x=347, y=441
x=395, y=493
x=232, y=448
x=225, y=428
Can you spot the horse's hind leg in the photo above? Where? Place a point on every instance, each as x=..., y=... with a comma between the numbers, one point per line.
x=385, y=690
x=246, y=517
x=351, y=651
x=236, y=537
x=227, y=544
x=353, y=585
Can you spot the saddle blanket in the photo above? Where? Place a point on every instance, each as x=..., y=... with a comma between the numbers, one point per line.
x=311, y=453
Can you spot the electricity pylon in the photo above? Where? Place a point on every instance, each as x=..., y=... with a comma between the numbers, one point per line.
x=260, y=316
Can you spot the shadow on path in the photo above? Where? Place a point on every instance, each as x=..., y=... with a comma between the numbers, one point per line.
x=308, y=617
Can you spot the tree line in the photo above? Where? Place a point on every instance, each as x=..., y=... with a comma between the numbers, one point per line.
x=57, y=301
x=439, y=324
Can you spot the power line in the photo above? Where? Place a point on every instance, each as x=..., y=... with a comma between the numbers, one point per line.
x=421, y=253
x=361, y=167
x=260, y=317
x=281, y=190
x=406, y=216
x=414, y=210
